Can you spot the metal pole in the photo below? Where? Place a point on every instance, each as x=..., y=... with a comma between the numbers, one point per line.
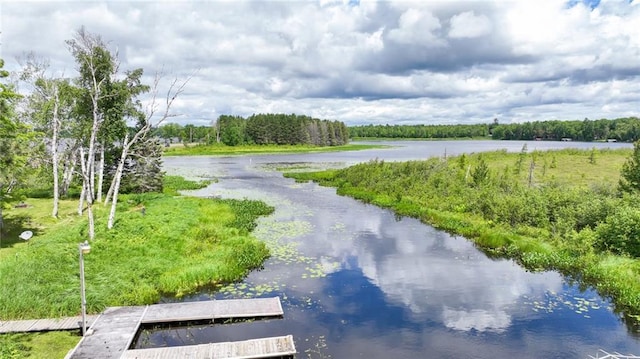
x=82, y=295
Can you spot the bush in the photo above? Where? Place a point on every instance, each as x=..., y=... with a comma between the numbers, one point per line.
x=620, y=233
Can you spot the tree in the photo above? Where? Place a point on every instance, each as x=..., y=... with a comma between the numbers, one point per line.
x=630, y=174
x=96, y=65
x=14, y=144
x=50, y=105
x=143, y=170
x=145, y=125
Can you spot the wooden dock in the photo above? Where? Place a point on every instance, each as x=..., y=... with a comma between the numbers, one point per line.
x=255, y=348
x=44, y=325
x=112, y=333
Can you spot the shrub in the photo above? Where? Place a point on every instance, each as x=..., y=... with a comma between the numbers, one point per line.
x=620, y=233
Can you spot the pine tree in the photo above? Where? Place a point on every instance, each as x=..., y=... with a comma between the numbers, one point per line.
x=630, y=174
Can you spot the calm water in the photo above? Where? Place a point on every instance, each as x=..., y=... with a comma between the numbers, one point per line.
x=356, y=281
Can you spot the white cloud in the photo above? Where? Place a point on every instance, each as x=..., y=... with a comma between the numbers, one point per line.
x=417, y=27
x=469, y=25
x=378, y=62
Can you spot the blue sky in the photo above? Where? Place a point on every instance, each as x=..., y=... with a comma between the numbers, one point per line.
x=360, y=61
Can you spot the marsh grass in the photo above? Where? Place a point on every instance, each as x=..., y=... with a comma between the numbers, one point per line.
x=224, y=150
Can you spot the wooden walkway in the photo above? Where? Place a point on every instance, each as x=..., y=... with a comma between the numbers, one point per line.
x=112, y=333
x=255, y=348
x=44, y=325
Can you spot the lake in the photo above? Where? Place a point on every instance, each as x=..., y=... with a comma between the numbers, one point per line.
x=358, y=281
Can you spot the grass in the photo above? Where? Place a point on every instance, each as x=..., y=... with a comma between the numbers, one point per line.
x=174, y=247
x=224, y=150
x=547, y=216
x=37, y=346
x=566, y=167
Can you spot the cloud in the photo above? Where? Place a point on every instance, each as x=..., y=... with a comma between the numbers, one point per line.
x=360, y=62
x=468, y=25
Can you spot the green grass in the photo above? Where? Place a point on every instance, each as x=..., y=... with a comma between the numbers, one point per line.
x=551, y=215
x=37, y=345
x=177, y=246
x=174, y=247
x=172, y=184
x=568, y=167
x=223, y=150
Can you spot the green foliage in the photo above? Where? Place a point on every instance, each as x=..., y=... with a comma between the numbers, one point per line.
x=630, y=174
x=10, y=348
x=281, y=129
x=592, y=156
x=232, y=130
x=620, y=232
x=18, y=146
x=43, y=345
x=621, y=129
x=172, y=184
x=480, y=173
x=143, y=172
x=521, y=157
x=224, y=150
x=421, y=131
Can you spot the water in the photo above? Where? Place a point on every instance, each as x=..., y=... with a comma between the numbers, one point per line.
x=357, y=281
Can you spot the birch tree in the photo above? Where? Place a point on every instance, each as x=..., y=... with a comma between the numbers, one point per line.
x=97, y=66
x=50, y=104
x=154, y=111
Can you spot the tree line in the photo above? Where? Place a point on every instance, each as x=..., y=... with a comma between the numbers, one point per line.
x=281, y=129
x=89, y=130
x=177, y=133
x=621, y=129
x=421, y=131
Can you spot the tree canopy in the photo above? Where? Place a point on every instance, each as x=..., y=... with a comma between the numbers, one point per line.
x=281, y=129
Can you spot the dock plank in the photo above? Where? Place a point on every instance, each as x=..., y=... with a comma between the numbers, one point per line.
x=215, y=309
x=43, y=325
x=111, y=334
x=247, y=349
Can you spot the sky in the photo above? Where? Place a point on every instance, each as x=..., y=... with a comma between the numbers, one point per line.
x=360, y=62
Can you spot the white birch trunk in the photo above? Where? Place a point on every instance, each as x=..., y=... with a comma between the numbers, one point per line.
x=100, y=175
x=54, y=155
x=67, y=175
x=81, y=201
x=107, y=198
x=92, y=173
x=117, y=178
x=84, y=182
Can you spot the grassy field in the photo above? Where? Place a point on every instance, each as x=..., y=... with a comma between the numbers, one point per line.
x=223, y=150
x=556, y=210
x=571, y=167
x=175, y=246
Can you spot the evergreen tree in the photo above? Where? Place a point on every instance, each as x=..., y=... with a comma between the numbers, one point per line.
x=143, y=171
x=630, y=174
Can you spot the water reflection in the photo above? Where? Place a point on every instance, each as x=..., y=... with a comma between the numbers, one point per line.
x=357, y=282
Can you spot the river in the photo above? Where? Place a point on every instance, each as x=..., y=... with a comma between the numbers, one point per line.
x=357, y=281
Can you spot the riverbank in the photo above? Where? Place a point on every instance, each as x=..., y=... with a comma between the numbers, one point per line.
x=161, y=245
x=556, y=210
x=224, y=150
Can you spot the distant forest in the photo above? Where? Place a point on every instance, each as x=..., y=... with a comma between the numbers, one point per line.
x=281, y=129
x=621, y=129
x=296, y=129
x=261, y=129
